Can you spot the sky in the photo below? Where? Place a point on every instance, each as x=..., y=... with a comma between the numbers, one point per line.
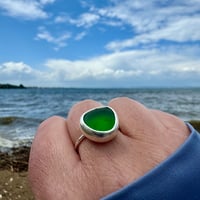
x=100, y=43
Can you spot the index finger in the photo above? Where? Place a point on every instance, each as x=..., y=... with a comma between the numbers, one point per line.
x=52, y=144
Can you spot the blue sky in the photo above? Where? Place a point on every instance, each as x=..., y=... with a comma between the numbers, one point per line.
x=100, y=43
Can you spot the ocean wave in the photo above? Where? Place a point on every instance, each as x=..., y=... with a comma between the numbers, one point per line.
x=17, y=131
x=7, y=145
x=7, y=120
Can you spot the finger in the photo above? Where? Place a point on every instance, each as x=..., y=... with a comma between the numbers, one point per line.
x=171, y=122
x=73, y=119
x=52, y=145
x=52, y=157
x=134, y=118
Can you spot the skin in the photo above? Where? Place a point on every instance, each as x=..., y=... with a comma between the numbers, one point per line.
x=145, y=138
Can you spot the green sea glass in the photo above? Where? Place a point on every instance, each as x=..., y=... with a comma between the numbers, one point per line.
x=100, y=119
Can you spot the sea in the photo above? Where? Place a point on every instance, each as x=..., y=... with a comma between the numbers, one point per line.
x=22, y=110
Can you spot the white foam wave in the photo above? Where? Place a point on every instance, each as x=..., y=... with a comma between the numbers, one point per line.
x=6, y=144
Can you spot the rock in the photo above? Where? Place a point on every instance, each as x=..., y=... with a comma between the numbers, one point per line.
x=195, y=124
x=15, y=160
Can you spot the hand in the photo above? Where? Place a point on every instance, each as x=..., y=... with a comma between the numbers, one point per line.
x=145, y=138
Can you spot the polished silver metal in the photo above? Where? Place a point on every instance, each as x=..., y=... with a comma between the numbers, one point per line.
x=78, y=142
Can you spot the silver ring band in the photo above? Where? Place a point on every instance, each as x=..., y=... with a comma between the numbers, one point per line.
x=78, y=141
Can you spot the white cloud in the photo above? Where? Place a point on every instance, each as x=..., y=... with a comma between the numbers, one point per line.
x=59, y=41
x=148, y=15
x=12, y=67
x=80, y=35
x=120, y=69
x=87, y=19
x=137, y=65
x=84, y=20
x=47, y=1
x=18, y=72
x=31, y=9
x=152, y=21
x=183, y=30
x=61, y=19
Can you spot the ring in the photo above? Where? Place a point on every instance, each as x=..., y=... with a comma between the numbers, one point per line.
x=98, y=125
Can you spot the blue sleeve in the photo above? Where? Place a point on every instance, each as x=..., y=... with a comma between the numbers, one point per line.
x=178, y=177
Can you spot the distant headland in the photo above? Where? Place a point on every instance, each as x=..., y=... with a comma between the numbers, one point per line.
x=10, y=86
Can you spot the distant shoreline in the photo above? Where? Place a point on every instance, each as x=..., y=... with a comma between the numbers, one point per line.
x=21, y=86
x=10, y=86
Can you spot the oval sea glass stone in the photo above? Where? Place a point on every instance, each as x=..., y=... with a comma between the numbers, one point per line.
x=100, y=119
